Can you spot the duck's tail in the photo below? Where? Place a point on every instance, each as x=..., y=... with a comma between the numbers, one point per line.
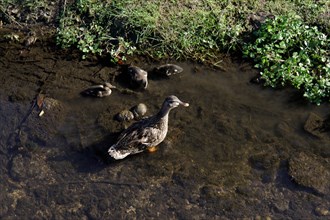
x=117, y=155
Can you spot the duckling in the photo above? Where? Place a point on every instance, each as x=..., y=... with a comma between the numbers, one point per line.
x=145, y=134
x=99, y=90
x=166, y=70
x=138, y=77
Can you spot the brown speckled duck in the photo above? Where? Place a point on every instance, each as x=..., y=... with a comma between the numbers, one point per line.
x=138, y=77
x=98, y=90
x=165, y=71
x=145, y=134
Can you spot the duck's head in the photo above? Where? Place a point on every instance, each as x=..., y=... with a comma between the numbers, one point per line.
x=173, y=102
x=173, y=69
x=139, y=75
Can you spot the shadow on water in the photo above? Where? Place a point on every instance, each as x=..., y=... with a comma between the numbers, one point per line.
x=239, y=150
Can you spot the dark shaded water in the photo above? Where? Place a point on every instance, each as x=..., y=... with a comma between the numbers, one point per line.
x=233, y=153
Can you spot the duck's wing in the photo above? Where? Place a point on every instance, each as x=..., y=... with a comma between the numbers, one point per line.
x=127, y=144
x=139, y=135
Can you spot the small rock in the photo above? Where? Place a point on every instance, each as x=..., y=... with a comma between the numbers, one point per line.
x=322, y=211
x=50, y=104
x=264, y=161
x=124, y=115
x=308, y=171
x=282, y=129
x=139, y=110
x=313, y=125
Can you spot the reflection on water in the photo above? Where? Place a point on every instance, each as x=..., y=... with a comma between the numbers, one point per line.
x=225, y=155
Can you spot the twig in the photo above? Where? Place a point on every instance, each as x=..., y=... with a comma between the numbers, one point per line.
x=64, y=7
x=10, y=17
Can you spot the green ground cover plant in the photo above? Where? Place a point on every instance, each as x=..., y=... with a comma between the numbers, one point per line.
x=199, y=30
x=91, y=27
x=160, y=29
x=289, y=52
x=24, y=12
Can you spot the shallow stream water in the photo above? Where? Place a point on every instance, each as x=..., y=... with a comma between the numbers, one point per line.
x=238, y=151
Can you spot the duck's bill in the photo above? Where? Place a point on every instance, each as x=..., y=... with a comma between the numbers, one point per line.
x=185, y=104
x=145, y=84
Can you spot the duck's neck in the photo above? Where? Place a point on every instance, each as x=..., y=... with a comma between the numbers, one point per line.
x=164, y=111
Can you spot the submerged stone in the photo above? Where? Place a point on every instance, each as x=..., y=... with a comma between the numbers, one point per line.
x=125, y=115
x=139, y=110
x=308, y=171
x=41, y=125
x=314, y=125
x=322, y=211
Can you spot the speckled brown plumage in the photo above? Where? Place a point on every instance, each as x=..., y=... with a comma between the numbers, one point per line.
x=146, y=133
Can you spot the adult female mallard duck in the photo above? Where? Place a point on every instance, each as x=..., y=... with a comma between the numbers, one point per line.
x=145, y=134
x=99, y=90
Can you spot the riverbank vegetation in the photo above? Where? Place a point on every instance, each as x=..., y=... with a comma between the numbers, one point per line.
x=288, y=40
x=289, y=52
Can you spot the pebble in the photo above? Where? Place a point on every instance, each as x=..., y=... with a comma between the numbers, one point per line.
x=308, y=170
x=322, y=211
x=125, y=115
x=139, y=110
x=313, y=125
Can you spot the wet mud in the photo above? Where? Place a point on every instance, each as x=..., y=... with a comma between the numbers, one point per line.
x=238, y=151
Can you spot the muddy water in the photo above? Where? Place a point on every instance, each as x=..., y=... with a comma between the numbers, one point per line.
x=238, y=151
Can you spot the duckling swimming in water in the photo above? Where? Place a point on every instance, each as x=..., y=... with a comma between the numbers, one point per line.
x=138, y=77
x=166, y=70
x=145, y=134
x=99, y=90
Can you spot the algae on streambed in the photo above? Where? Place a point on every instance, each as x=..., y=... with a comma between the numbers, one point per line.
x=231, y=154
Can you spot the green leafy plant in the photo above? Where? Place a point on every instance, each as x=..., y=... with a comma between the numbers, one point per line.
x=87, y=25
x=289, y=52
x=199, y=30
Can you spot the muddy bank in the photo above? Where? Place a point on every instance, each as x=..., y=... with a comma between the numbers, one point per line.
x=238, y=151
